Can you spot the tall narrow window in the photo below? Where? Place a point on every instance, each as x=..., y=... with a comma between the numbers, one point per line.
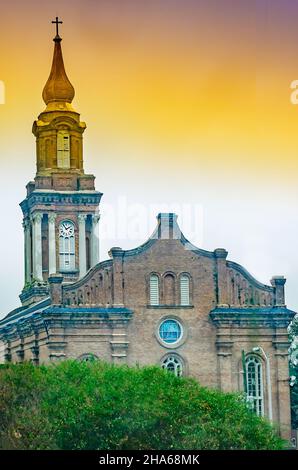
x=254, y=379
x=184, y=290
x=66, y=246
x=154, y=289
x=63, y=149
x=168, y=290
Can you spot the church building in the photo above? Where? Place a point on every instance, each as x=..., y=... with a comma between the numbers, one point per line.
x=166, y=302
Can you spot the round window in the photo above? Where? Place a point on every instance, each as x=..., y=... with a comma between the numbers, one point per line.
x=170, y=331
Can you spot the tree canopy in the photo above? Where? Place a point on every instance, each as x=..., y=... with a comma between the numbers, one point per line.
x=293, y=330
x=94, y=405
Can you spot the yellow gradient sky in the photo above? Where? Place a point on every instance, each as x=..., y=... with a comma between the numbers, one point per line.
x=185, y=101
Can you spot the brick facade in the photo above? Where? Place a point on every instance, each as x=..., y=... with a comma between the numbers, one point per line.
x=108, y=312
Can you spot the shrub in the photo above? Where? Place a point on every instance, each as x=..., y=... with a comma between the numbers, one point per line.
x=80, y=405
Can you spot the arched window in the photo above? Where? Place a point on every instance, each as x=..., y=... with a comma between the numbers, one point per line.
x=88, y=357
x=168, y=289
x=254, y=380
x=154, y=289
x=66, y=246
x=63, y=149
x=184, y=290
x=173, y=364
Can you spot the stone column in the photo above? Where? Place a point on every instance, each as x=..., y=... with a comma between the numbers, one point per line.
x=7, y=352
x=82, y=244
x=20, y=353
x=27, y=249
x=37, y=247
x=95, y=240
x=278, y=282
x=119, y=341
x=56, y=350
x=52, y=243
x=283, y=387
x=224, y=346
x=222, y=285
x=117, y=292
x=56, y=294
x=35, y=353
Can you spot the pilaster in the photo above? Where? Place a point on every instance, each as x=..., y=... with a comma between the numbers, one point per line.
x=52, y=243
x=278, y=282
x=95, y=240
x=118, y=294
x=283, y=387
x=27, y=250
x=37, y=247
x=82, y=244
x=221, y=275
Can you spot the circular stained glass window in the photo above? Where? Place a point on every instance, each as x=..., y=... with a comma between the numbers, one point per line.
x=170, y=331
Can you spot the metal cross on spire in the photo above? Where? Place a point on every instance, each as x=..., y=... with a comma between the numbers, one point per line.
x=57, y=22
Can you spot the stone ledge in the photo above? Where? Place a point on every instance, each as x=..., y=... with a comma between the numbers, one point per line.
x=268, y=317
x=157, y=307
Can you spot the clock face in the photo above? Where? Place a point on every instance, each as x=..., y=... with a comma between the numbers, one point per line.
x=66, y=229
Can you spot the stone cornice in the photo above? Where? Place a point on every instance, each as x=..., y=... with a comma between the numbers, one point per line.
x=39, y=197
x=22, y=328
x=271, y=317
x=60, y=317
x=34, y=291
x=23, y=312
x=104, y=311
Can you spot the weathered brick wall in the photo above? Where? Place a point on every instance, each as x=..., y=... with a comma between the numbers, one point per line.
x=209, y=349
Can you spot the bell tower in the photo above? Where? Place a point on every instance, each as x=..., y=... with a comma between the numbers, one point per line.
x=60, y=212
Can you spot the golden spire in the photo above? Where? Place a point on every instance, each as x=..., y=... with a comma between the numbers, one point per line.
x=58, y=88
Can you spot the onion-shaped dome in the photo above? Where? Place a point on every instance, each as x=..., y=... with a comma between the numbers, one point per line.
x=58, y=86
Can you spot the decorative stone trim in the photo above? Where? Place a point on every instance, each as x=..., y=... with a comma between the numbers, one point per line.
x=60, y=198
x=35, y=292
x=21, y=354
x=55, y=357
x=170, y=307
x=273, y=317
x=119, y=345
x=35, y=354
x=249, y=277
x=7, y=357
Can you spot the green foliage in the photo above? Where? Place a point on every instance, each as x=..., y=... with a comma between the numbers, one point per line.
x=293, y=330
x=93, y=405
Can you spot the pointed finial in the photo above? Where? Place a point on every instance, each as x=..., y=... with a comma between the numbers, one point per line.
x=58, y=87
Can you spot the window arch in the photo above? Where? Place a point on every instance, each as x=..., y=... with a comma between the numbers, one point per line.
x=173, y=364
x=154, y=289
x=255, y=386
x=66, y=245
x=88, y=357
x=169, y=289
x=63, y=149
x=184, y=289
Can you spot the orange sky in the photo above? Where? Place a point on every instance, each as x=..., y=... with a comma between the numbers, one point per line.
x=181, y=77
